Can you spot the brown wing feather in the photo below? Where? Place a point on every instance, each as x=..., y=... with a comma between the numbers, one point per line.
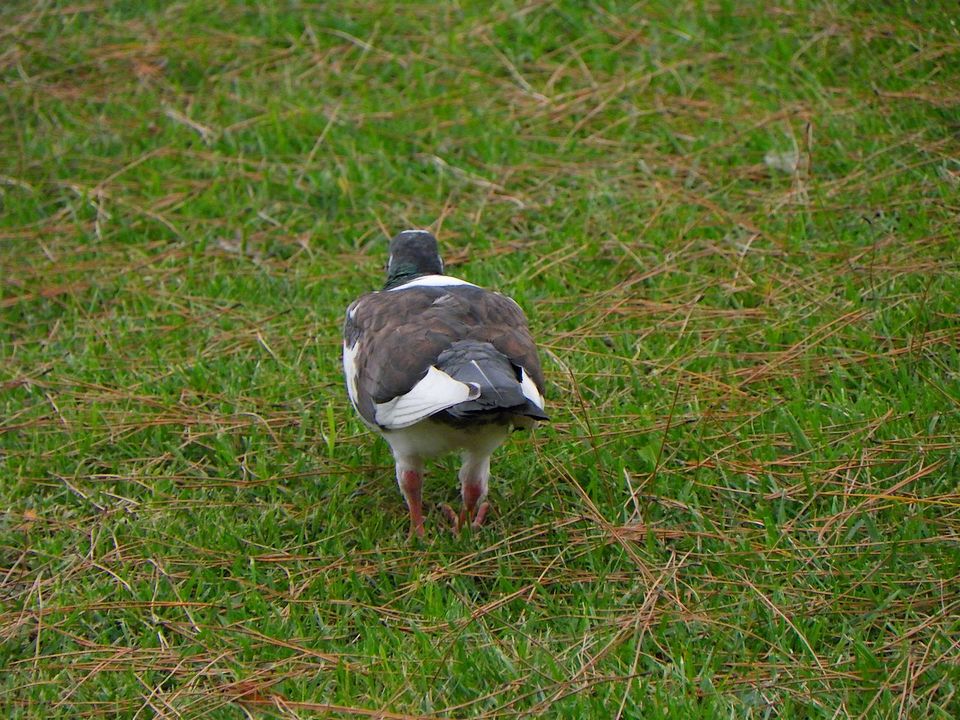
x=404, y=331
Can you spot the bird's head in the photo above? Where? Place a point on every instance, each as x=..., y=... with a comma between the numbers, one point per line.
x=412, y=253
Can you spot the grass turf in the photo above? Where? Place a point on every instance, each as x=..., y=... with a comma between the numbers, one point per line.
x=734, y=227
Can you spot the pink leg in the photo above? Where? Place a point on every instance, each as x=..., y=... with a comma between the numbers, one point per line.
x=411, y=485
x=474, y=506
x=473, y=488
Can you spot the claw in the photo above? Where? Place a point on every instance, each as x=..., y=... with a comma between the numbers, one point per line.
x=481, y=515
x=462, y=520
x=452, y=517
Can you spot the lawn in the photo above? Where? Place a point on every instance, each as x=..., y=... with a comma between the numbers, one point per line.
x=735, y=229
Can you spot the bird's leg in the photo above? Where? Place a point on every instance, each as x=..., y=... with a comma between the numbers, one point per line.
x=473, y=488
x=475, y=507
x=410, y=480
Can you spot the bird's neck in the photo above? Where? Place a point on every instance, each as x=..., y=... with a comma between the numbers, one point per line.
x=404, y=273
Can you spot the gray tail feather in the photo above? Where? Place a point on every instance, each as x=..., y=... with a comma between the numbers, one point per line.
x=481, y=364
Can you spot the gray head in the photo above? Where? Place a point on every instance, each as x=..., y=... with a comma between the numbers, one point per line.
x=412, y=253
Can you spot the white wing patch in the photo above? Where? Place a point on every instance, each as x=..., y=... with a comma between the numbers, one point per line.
x=432, y=281
x=437, y=391
x=350, y=371
x=352, y=310
x=529, y=389
x=444, y=299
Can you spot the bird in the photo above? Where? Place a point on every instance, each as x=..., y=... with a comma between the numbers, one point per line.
x=437, y=365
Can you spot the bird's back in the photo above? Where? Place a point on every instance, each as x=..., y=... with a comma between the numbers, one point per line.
x=458, y=329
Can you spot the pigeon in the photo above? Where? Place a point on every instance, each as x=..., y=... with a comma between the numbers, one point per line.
x=436, y=365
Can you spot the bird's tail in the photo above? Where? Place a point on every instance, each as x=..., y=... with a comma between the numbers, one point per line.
x=499, y=380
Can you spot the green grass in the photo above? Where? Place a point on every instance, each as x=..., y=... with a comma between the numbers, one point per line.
x=746, y=505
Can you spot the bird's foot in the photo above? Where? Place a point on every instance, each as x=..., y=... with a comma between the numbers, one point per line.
x=466, y=518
